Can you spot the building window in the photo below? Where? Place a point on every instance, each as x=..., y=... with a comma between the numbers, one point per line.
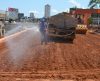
x=95, y=15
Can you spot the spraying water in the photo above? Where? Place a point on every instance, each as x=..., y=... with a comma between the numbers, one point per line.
x=20, y=42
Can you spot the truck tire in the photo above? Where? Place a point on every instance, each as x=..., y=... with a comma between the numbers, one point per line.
x=71, y=40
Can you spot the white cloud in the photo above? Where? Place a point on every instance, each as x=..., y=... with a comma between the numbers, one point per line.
x=54, y=11
x=75, y=3
x=66, y=10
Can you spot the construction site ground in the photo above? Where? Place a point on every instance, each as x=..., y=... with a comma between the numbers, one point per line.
x=23, y=58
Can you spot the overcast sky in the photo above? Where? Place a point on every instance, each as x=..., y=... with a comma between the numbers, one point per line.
x=37, y=6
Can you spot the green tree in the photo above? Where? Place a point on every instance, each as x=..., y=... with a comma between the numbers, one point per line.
x=90, y=21
x=93, y=3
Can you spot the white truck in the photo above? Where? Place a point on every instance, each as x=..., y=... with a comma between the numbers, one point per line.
x=12, y=14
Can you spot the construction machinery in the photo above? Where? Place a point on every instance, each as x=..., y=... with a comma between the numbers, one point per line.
x=62, y=25
x=81, y=29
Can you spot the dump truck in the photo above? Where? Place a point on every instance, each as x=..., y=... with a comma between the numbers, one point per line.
x=62, y=25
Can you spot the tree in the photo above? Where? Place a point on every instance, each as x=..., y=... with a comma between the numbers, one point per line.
x=93, y=3
x=90, y=21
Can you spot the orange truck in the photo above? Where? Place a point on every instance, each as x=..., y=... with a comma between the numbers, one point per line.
x=81, y=29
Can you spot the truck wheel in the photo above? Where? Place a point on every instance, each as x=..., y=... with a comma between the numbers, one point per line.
x=71, y=40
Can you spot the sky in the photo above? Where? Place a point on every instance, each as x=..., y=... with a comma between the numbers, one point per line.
x=37, y=6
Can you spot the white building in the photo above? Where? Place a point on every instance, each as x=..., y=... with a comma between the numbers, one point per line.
x=31, y=15
x=2, y=14
x=12, y=13
x=47, y=10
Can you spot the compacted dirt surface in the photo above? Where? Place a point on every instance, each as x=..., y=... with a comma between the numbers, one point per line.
x=23, y=58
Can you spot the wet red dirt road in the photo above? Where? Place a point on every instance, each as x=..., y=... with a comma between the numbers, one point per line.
x=23, y=56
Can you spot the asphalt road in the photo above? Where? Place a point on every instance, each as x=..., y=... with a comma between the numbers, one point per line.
x=15, y=27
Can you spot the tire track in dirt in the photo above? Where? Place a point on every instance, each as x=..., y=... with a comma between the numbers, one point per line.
x=89, y=56
x=82, y=59
x=72, y=57
x=83, y=54
x=95, y=48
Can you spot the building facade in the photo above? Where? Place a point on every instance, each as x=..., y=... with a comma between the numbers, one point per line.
x=2, y=14
x=32, y=15
x=12, y=13
x=83, y=15
x=47, y=10
x=20, y=15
